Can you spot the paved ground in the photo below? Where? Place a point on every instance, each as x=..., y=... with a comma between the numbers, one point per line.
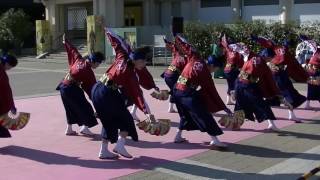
x=42, y=150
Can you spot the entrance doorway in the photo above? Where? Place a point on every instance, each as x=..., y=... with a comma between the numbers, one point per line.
x=76, y=19
x=133, y=14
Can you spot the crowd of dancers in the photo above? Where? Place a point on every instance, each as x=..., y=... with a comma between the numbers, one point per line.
x=256, y=82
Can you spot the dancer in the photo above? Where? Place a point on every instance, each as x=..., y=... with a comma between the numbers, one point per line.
x=232, y=68
x=108, y=101
x=195, y=106
x=283, y=65
x=79, y=78
x=313, y=68
x=172, y=73
x=7, y=62
x=308, y=55
x=253, y=85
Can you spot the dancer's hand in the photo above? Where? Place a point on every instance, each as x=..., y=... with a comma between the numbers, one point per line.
x=157, y=89
x=151, y=117
x=13, y=110
x=64, y=38
x=228, y=111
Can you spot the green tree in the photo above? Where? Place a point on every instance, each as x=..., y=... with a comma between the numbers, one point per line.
x=15, y=26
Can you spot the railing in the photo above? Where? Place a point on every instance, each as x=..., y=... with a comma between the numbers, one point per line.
x=161, y=56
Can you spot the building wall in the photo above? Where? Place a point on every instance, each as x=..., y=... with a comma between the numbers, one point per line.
x=158, y=13
x=165, y=13
x=186, y=8
x=306, y=12
x=216, y=14
x=269, y=13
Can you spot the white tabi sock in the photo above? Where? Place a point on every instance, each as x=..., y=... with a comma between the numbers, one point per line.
x=178, y=138
x=133, y=109
x=229, y=100
x=120, y=149
x=272, y=125
x=216, y=142
x=133, y=112
x=293, y=117
x=307, y=105
x=69, y=127
x=179, y=134
x=104, y=151
x=69, y=130
x=170, y=109
x=85, y=130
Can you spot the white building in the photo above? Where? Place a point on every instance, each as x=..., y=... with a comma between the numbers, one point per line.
x=69, y=15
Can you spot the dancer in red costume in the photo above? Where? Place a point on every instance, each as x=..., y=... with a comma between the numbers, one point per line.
x=7, y=62
x=78, y=80
x=196, y=97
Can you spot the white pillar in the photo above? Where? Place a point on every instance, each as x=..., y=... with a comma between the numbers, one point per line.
x=52, y=15
x=111, y=10
x=149, y=13
x=166, y=13
x=195, y=5
x=285, y=10
x=236, y=10
x=146, y=13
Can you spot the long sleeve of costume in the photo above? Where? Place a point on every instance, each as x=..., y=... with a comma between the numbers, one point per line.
x=257, y=68
x=185, y=46
x=233, y=57
x=88, y=81
x=169, y=45
x=133, y=91
x=122, y=74
x=209, y=92
x=227, y=49
x=6, y=98
x=295, y=70
x=73, y=53
x=145, y=79
x=224, y=43
x=267, y=85
x=239, y=62
x=121, y=48
x=266, y=43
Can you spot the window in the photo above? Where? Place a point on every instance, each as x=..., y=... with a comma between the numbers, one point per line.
x=260, y=2
x=306, y=1
x=77, y=18
x=215, y=3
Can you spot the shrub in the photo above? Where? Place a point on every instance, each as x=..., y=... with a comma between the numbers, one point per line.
x=203, y=35
x=15, y=26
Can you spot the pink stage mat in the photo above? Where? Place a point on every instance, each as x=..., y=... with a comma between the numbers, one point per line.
x=42, y=151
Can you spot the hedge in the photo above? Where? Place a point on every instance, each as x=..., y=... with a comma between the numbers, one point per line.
x=15, y=27
x=203, y=35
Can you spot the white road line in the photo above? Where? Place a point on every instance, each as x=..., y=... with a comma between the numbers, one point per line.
x=42, y=70
x=25, y=72
x=37, y=95
x=206, y=170
x=302, y=163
